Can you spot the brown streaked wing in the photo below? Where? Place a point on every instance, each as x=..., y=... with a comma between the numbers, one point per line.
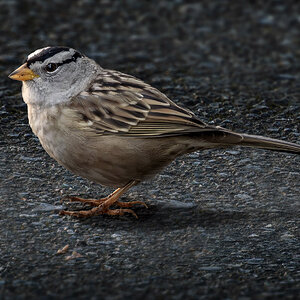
x=119, y=103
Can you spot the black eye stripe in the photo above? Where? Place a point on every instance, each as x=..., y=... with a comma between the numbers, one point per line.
x=73, y=58
x=67, y=61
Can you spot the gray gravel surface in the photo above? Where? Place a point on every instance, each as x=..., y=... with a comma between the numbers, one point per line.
x=221, y=224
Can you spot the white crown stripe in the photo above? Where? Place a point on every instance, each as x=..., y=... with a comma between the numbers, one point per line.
x=37, y=52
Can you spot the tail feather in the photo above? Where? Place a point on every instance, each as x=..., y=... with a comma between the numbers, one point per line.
x=221, y=137
x=269, y=143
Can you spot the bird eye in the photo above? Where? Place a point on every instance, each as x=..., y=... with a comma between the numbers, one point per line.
x=51, y=67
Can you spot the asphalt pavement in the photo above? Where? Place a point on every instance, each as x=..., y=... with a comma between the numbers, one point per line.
x=221, y=224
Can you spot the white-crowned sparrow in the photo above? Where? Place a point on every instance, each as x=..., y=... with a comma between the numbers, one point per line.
x=113, y=128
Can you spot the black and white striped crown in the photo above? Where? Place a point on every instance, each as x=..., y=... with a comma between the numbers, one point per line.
x=43, y=54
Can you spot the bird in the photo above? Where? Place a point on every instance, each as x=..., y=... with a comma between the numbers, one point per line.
x=112, y=128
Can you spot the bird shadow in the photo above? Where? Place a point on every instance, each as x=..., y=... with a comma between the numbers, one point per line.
x=163, y=218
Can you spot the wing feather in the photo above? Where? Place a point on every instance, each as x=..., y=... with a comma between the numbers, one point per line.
x=119, y=103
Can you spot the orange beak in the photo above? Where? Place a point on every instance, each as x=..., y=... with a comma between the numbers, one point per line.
x=23, y=73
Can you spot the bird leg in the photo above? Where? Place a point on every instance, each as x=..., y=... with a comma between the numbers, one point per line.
x=102, y=206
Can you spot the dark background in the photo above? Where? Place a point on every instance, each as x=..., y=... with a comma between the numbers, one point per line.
x=220, y=224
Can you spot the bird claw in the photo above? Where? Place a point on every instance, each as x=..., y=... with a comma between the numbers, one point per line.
x=97, y=202
x=97, y=211
x=102, y=206
x=92, y=202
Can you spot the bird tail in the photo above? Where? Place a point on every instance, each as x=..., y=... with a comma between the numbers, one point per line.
x=221, y=137
x=269, y=143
